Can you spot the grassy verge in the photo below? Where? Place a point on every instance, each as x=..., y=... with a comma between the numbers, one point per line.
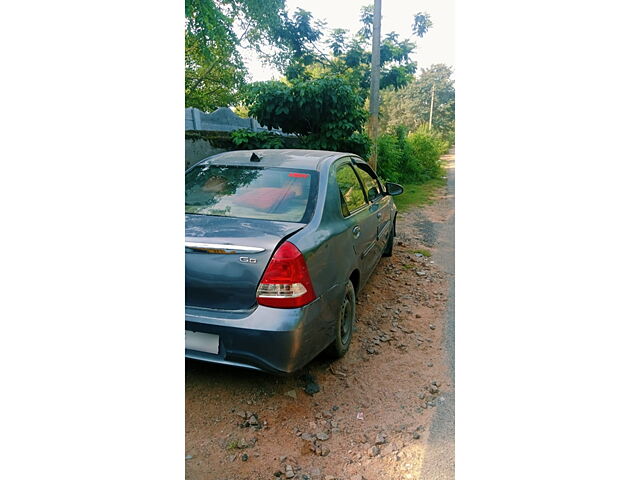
x=418, y=194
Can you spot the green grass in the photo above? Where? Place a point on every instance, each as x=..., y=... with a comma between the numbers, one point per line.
x=418, y=194
x=424, y=252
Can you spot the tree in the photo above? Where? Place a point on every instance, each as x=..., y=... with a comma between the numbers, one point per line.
x=323, y=96
x=326, y=113
x=217, y=30
x=349, y=56
x=409, y=106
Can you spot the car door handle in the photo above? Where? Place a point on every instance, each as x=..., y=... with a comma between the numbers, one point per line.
x=356, y=231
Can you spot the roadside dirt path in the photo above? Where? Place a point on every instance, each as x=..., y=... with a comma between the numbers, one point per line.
x=377, y=409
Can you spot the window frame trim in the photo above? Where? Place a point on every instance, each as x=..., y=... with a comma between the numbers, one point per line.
x=349, y=162
x=363, y=166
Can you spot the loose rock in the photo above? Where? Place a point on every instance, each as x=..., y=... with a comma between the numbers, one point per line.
x=311, y=388
x=292, y=394
x=288, y=471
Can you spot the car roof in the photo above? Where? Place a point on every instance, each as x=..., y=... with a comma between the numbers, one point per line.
x=292, y=158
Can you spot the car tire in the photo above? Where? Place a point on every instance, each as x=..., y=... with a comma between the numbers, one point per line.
x=388, y=249
x=344, y=323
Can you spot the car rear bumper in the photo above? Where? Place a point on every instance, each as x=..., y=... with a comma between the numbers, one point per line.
x=274, y=340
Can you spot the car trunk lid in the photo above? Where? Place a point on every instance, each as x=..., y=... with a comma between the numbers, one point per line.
x=225, y=258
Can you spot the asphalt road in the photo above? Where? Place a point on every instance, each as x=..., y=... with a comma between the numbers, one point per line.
x=439, y=459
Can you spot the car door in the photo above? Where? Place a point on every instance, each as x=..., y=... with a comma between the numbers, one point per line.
x=361, y=219
x=380, y=204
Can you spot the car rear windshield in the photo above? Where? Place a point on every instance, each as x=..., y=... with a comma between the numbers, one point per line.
x=251, y=192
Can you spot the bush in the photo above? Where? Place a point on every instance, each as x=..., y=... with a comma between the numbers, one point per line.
x=249, y=140
x=326, y=113
x=410, y=158
x=390, y=158
x=358, y=143
x=425, y=148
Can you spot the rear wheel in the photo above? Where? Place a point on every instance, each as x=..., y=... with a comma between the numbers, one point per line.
x=344, y=323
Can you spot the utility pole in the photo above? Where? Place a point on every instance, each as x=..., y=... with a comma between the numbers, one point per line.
x=374, y=97
x=433, y=91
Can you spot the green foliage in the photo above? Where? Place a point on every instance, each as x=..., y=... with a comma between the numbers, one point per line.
x=225, y=141
x=421, y=24
x=425, y=148
x=217, y=30
x=294, y=42
x=213, y=65
x=215, y=139
x=326, y=112
x=214, y=69
x=349, y=56
x=351, y=60
x=358, y=143
x=410, y=158
x=409, y=106
x=390, y=158
x=248, y=140
x=366, y=18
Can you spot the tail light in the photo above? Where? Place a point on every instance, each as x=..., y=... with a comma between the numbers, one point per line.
x=286, y=282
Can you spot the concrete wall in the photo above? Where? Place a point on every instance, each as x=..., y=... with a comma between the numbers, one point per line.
x=197, y=149
x=222, y=120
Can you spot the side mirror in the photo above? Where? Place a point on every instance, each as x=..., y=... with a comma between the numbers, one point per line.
x=394, y=189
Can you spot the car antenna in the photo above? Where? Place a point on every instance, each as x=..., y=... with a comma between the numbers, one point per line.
x=255, y=157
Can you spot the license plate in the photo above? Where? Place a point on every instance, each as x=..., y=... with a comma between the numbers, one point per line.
x=202, y=342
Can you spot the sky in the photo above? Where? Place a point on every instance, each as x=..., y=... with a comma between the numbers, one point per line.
x=436, y=46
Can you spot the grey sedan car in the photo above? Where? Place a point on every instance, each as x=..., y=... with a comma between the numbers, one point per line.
x=278, y=244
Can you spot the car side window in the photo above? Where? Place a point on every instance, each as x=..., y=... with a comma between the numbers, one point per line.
x=370, y=184
x=350, y=189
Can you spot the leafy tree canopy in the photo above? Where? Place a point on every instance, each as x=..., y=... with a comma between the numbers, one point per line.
x=409, y=106
x=216, y=31
x=327, y=112
x=349, y=56
x=323, y=95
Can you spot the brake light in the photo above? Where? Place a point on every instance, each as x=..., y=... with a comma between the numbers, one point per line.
x=286, y=282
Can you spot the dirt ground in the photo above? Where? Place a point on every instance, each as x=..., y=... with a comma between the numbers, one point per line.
x=372, y=413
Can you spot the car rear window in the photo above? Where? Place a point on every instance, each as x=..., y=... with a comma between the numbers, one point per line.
x=251, y=192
